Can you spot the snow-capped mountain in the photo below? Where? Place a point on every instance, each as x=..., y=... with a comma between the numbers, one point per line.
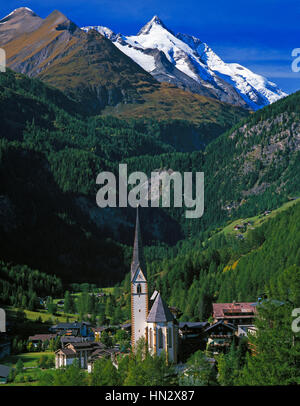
x=21, y=20
x=191, y=64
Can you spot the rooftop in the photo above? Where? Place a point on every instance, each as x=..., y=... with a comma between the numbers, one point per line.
x=4, y=371
x=220, y=323
x=221, y=310
x=159, y=312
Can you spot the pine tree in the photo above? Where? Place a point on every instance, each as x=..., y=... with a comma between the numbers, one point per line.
x=275, y=358
x=68, y=303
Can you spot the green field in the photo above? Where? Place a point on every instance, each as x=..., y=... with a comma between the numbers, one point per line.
x=29, y=359
x=31, y=372
x=43, y=314
x=256, y=220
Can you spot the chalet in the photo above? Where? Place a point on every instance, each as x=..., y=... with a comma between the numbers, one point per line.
x=192, y=338
x=100, y=353
x=64, y=340
x=4, y=373
x=220, y=336
x=98, y=331
x=242, y=313
x=188, y=330
x=76, y=351
x=72, y=329
x=244, y=331
x=41, y=338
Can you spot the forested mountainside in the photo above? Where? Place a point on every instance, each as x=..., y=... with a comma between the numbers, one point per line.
x=53, y=155
x=224, y=268
x=24, y=100
x=251, y=168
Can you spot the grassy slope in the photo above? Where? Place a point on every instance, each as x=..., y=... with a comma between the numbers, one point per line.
x=34, y=315
x=167, y=101
x=29, y=359
x=257, y=220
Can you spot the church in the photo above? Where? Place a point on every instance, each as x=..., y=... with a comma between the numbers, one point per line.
x=158, y=326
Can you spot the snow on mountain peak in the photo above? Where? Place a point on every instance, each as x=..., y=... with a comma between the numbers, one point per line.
x=154, y=22
x=192, y=41
x=198, y=67
x=105, y=31
x=17, y=15
x=21, y=10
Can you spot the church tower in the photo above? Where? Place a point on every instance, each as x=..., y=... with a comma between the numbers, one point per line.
x=139, y=289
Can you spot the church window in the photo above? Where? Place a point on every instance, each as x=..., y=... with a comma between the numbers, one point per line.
x=169, y=337
x=160, y=338
x=139, y=289
x=151, y=338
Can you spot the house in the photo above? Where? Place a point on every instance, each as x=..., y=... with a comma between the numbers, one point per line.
x=4, y=373
x=40, y=301
x=192, y=338
x=220, y=336
x=244, y=331
x=73, y=329
x=41, y=338
x=76, y=351
x=64, y=340
x=99, y=353
x=241, y=313
x=191, y=330
x=99, y=330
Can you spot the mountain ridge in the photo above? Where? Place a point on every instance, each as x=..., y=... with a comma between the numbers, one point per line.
x=91, y=70
x=231, y=83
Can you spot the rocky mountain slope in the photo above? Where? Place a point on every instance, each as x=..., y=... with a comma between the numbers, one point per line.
x=88, y=68
x=191, y=64
x=20, y=21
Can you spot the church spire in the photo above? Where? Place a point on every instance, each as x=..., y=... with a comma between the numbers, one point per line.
x=138, y=256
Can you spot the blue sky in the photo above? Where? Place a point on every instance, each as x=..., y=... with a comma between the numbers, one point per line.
x=259, y=34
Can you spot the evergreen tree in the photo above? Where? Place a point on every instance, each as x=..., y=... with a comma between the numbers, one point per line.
x=275, y=358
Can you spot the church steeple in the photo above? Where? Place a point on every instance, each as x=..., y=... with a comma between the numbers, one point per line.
x=138, y=260
x=139, y=288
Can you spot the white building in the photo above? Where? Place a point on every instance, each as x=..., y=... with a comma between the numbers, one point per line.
x=158, y=326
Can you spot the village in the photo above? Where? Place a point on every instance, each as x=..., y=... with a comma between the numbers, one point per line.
x=86, y=343
x=161, y=327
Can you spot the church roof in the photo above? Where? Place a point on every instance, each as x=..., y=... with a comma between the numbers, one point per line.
x=138, y=260
x=159, y=312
